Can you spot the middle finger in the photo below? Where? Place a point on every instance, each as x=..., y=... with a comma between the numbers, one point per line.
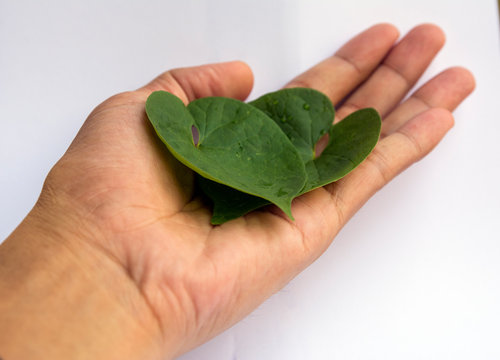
x=404, y=65
x=341, y=73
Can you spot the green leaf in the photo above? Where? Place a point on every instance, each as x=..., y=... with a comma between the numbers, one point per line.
x=238, y=145
x=350, y=142
x=305, y=115
x=228, y=203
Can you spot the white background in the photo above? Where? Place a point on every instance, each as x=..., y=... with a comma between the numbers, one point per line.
x=414, y=275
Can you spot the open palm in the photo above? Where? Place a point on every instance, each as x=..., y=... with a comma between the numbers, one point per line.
x=140, y=209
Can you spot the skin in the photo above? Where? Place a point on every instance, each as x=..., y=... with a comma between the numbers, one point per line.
x=118, y=260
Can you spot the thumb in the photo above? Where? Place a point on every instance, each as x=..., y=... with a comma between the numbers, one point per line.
x=121, y=117
x=230, y=79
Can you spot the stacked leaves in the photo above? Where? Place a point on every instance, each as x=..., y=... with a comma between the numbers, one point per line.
x=253, y=154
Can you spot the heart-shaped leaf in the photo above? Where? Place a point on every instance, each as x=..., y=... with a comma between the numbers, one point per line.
x=237, y=145
x=305, y=115
x=350, y=142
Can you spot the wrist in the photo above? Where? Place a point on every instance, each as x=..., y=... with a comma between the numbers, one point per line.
x=61, y=297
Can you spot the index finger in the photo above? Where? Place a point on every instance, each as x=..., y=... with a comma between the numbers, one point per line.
x=341, y=73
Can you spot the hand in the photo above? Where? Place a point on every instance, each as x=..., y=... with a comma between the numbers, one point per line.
x=121, y=208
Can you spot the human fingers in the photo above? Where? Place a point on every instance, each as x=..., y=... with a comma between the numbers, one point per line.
x=230, y=79
x=339, y=74
x=409, y=133
x=394, y=153
x=446, y=90
x=122, y=116
x=395, y=76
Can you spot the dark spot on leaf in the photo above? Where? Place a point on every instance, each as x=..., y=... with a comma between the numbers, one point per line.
x=196, y=135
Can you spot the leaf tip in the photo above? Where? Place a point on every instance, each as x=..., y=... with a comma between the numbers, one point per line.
x=286, y=207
